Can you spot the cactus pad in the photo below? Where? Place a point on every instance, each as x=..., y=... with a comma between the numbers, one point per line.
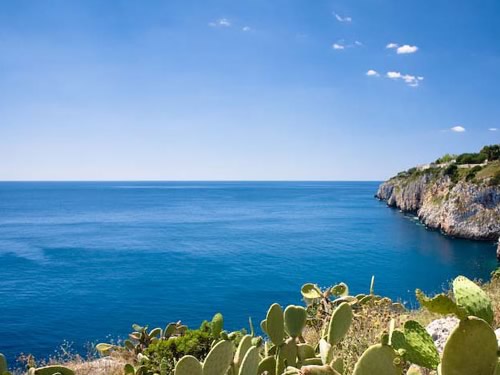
x=339, y=324
x=219, y=359
x=311, y=291
x=305, y=351
x=250, y=363
x=377, y=359
x=418, y=345
x=217, y=324
x=340, y=290
x=3, y=364
x=295, y=320
x=243, y=347
x=470, y=349
x=268, y=364
x=472, y=299
x=275, y=325
x=51, y=370
x=188, y=365
x=440, y=304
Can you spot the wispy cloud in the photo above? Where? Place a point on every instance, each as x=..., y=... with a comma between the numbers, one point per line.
x=342, y=19
x=406, y=49
x=246, y=28
x=409, y=79
x=493, y=129
x=340, y=44
x=458, y=129
x=221, y=22
x=392, y=45
x=372, y=73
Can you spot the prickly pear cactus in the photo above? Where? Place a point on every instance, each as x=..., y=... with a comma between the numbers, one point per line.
x=418, y=345
x=472, y=299
x=325, y=351
x=3, y=364
x=275, y=325
x=268, y=364
x=340, y=290
x=339, y=324
x=188, y=365
x=217, y=325
x=305, y=351
x=470, y=349
x=288, y=351
x=377, y=359
x=250, y=363
x=51, y=370
x=243, y=347
x=311, y=291
x=440, y=304
x=295, y=320
x=219, y=359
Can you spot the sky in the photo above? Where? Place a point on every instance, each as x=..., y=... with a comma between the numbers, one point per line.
x=243, y=90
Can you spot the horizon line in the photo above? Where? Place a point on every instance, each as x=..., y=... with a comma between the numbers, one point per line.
x=222, y=180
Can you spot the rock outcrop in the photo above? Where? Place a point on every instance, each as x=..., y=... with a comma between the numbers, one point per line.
x=461, y=208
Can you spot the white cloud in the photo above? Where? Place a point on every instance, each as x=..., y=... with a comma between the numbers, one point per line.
x=222, y=22
x=246, y=28
x=409, y=79
x=457, y=129
x=492, y=129
x=372, y=73
x=406, y=49
x=392, y=45
x=340, y=44
x=393, y=75
x=342, y=19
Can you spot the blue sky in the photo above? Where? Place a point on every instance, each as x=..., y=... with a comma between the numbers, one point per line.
x=254, y=90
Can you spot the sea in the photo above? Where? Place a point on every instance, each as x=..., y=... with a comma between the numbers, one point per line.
x=80, y=262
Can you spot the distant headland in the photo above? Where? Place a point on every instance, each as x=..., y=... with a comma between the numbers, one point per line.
x=457, y=194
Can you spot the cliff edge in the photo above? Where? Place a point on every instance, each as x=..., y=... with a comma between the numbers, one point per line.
x=459, y=197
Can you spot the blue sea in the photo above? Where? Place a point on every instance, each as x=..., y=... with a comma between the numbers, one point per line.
x=82, y=261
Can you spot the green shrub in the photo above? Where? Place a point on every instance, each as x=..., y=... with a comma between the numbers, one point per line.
x=452, y=172
x=446, y=159
x=491, y=152
x=495, y=180
x=471, y=174
x=194, y=342
x=471, y=158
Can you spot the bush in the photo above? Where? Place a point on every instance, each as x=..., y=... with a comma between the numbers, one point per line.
x=445, y=159
x=495, y=180
x=195, y=342
x=491, y=152
x=452, y=172
x=474, y=158
x=472, y=173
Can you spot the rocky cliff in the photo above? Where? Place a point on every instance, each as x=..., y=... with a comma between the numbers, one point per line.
x=459, y=207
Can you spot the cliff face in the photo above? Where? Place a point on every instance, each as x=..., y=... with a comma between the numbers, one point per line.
x=460, y=209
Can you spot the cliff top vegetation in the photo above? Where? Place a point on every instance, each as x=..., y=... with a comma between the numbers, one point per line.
x=482, y=167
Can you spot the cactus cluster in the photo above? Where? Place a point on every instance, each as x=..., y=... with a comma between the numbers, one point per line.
x=471, y=348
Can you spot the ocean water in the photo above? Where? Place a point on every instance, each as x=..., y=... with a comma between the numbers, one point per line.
x=83, y=261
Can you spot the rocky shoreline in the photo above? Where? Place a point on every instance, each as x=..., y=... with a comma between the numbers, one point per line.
x=460, y=209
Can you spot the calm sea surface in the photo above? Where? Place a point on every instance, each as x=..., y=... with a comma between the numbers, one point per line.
x=82, y=261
